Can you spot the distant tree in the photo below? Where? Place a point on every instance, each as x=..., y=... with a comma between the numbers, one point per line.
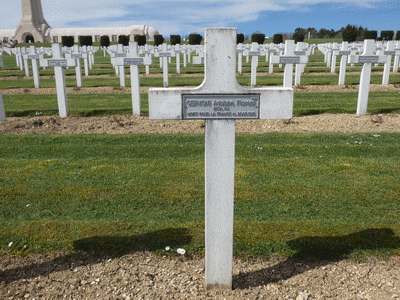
x=313, y=32
x=67, y=41
x=298, y=37
x=277, y=38
x=175, y=39
x=140, y=39
x=86, y=40
x=105, y=41
x=350, y=33
x=398, y=35
x=258, y=37
x=240, y=38
x=370, y=34
x=158, y=39
x=387, y=35
x=124, y=40
x=195, y=39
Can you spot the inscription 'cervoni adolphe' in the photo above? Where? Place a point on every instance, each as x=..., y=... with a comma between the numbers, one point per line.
x=243, y=106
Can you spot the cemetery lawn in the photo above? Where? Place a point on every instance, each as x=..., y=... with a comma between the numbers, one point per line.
x=322, y=195
x=120, y=103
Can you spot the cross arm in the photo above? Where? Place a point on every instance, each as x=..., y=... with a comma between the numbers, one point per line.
x=275, y=103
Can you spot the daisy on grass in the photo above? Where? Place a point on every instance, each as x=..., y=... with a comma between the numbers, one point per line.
x=181, y=251
x=167, y=248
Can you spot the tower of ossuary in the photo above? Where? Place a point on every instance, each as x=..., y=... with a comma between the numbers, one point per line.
x=33, y=26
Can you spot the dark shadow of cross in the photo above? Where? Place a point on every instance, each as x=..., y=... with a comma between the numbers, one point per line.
x=314, y=252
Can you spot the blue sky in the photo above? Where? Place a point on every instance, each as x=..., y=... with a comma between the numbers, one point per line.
x=184, y=17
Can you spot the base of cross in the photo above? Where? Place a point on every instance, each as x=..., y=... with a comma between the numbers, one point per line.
x=220, y=100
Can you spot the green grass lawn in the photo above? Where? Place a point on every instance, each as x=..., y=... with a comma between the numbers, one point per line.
x=102, y=104
x=310, y=195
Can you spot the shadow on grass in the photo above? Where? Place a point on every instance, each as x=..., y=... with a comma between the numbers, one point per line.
x=314, y=252
x=95, y=249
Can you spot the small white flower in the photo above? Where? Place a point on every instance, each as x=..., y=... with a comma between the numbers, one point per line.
x=376, y=135
x=10, y=244
x=167, y=248
x=24, y=247
x=28, y=205
x=181, y=251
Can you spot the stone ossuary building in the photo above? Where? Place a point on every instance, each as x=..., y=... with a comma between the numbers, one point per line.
x=34, y=28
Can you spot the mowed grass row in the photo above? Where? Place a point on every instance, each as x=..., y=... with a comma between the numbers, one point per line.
x=105, y=104
x=308, y=195
x=176, y=81
x=103, y=66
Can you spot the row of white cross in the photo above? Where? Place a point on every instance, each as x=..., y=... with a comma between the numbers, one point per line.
x=290, y=55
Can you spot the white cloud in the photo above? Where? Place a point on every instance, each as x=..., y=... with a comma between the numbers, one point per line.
x=168, y=17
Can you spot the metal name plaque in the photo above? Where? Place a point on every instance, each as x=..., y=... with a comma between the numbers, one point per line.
x=344, y=52
x=164, y=54
x=57, y=63
x=133, y=61
x=368, y=59
x=389, y=52
x=33, y=56
x=76, y=55
x=254, y=53
x=120, y=54
x=289, y=60
x=300, y=53
x=240, y=106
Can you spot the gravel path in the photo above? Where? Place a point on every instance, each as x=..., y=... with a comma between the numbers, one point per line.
x=143, y=275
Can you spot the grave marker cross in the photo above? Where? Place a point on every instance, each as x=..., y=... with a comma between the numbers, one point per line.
x=367, y=58
x=58, y=62
x=220, y=100
x=134, y=61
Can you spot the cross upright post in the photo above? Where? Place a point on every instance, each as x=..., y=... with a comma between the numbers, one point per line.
x=33, y=56
x=219, y=100
x=367, y=58
x=386, y=69
x=164, y=54
x=77, y=55
x=2, y=110
x=396, y=57
x=58, y=62
x=343, y=62
x=133, y=60
x=289, y=58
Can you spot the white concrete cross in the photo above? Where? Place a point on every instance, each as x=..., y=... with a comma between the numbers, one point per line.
x=178, y=52
x=18, y=57
x=134, y=61
x=34, y=57
x=199, y=59
x=335, y=53
x=147, y=53
x=220, y=100
x=367, y=58
x=344, y=52
x=289, y=58
x=301, y=49
x=58, y=62
x=86, y=60
x=76, y=54
x=163, y=55
x=254, y=53
x=271, y=51
x=240, y=51
x=2, y=110
x=388, y=52
x=121, y=68
x=396, y=62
